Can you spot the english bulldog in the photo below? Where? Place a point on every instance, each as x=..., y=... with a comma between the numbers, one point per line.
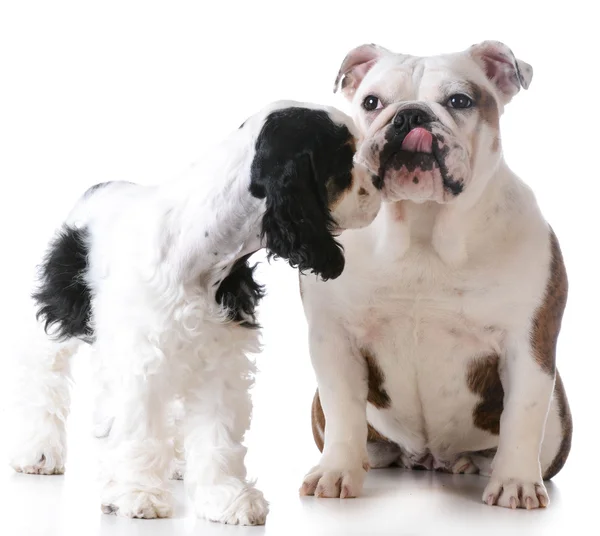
x=436, y=347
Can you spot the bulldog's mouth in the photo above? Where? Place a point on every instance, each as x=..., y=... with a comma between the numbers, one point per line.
x=418, y=140
x=419, y=151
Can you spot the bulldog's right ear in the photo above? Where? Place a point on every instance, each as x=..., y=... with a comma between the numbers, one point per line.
x=355, y=66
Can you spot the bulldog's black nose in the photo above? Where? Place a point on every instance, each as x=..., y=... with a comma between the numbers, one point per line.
x=410, y=118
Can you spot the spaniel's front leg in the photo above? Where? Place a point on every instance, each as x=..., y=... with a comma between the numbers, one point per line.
x=343, y=387
x=138, y=454
x=217, y=414
x=516, y=480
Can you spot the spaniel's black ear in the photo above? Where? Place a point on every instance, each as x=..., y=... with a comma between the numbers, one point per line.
x=297, y=224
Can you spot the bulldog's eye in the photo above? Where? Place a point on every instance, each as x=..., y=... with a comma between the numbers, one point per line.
x=371, y=103
x=459, y=101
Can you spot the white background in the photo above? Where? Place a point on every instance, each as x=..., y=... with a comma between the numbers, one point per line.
x=96, y=91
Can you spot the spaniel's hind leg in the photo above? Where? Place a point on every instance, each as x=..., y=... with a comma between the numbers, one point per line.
x=42, y=405
x=63, y=304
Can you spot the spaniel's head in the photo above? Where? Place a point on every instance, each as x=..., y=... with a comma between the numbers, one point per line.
x=304, y=168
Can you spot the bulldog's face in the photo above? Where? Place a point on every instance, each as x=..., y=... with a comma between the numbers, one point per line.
x=431, y=124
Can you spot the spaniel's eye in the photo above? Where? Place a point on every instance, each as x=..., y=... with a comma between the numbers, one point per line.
x=371, y=103
x=459, y=101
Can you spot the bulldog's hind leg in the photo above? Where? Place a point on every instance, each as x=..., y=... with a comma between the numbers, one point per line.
x=555, y=445
x=557, y=434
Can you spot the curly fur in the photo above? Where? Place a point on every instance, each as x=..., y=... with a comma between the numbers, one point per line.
x=301, y=231
x=158, y=278
x=63, y=296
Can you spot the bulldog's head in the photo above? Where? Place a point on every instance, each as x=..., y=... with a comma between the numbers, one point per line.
x=431, y=123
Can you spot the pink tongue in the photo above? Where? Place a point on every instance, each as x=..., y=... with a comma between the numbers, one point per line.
x=418, y=140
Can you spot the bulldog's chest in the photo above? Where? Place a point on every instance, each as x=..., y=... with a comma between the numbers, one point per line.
x=423, y=326
x=418, y=297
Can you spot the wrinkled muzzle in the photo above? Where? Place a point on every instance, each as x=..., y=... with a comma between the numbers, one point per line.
x=416, y=157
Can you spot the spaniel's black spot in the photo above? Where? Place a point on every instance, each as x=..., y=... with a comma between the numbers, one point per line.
x=303, y=164
x=96, y=187
x=205, y=234
x=102, y=185
x=239, y=293
x=64, y=297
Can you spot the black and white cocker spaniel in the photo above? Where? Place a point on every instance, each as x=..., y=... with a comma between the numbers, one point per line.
x=157, y=280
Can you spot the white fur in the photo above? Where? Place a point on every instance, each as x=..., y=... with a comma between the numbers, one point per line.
x=156, y=257
x=427, y=288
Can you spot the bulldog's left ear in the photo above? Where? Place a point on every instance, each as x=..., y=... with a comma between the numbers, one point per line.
x=501, y=67
x=355, y=66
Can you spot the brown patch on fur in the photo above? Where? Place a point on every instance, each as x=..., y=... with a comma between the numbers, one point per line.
x=334, y=194
x=486, y=104
x=318, y=422
x=548, y=317
x=318, y=425
x=488, y=109
x=374, y=436
x=362, y=191
x=483, y=379
x=377, y=394
x=566, y=420
x=352, y=143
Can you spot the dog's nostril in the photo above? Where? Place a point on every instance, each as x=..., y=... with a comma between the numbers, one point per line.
x=409, y=119
x=400, y=121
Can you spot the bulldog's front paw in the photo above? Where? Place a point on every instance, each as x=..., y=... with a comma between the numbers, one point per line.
x=334, y=482
x=516, y=493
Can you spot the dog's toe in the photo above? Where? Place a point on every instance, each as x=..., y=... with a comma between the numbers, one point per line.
x=515, y=493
